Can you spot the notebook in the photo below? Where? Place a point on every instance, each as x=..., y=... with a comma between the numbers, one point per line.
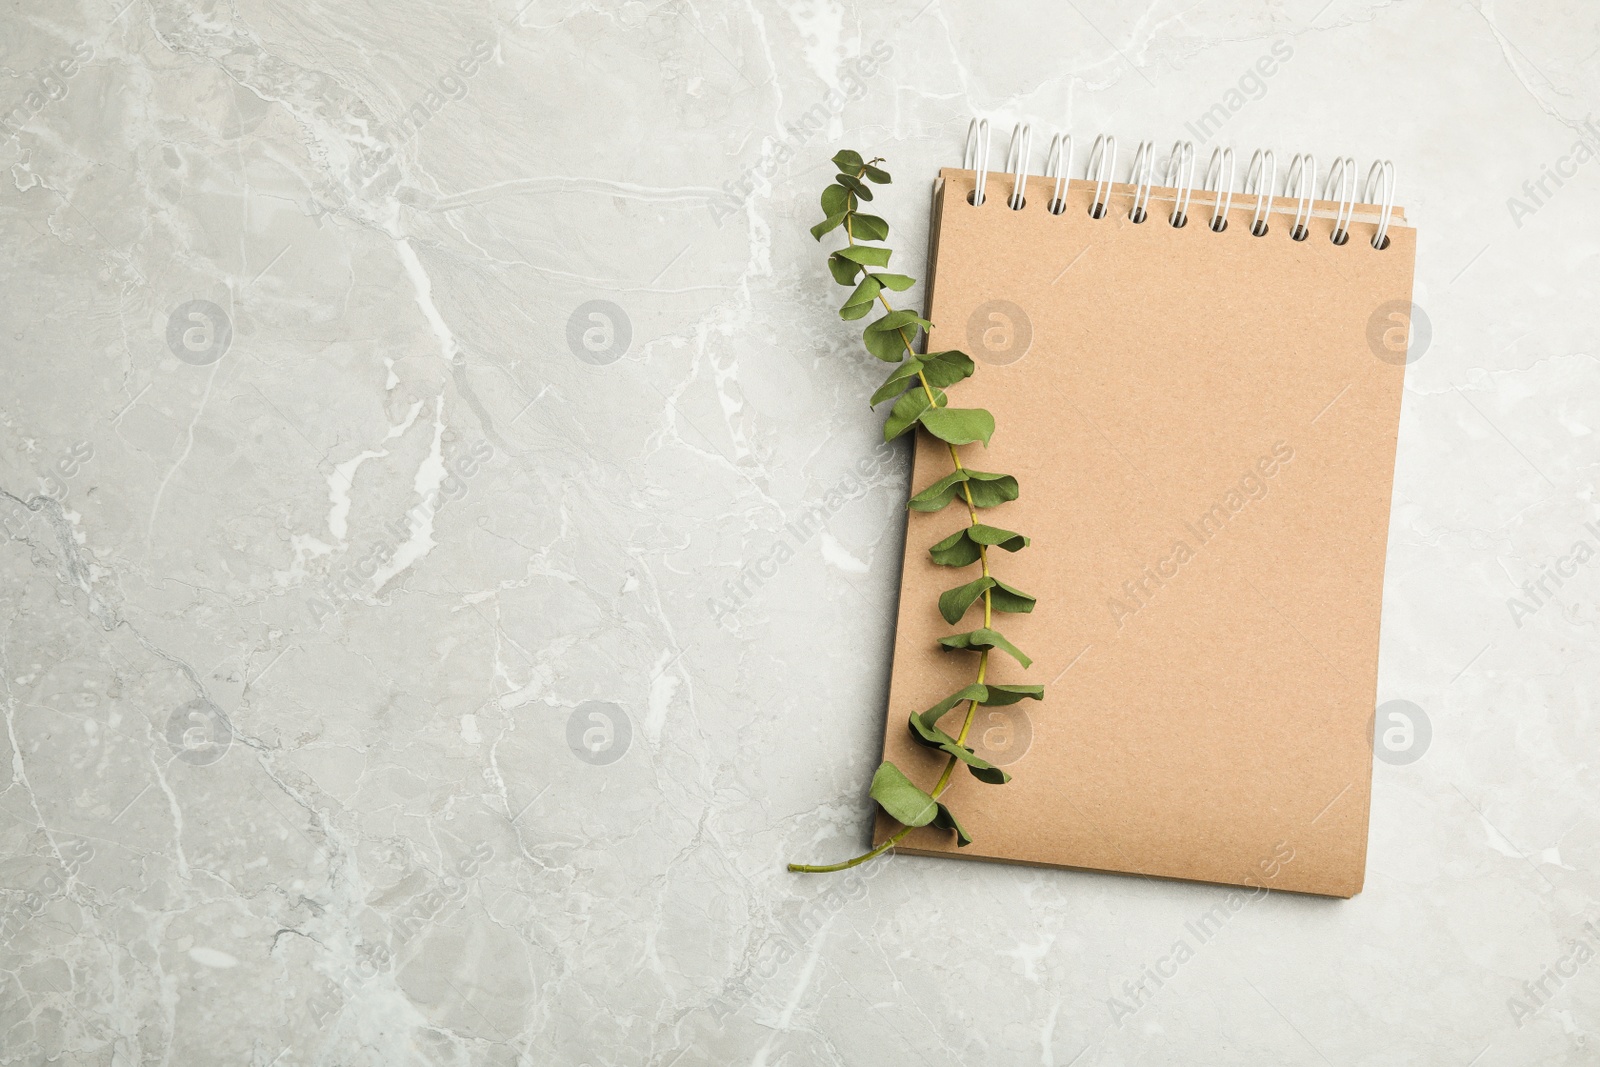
x=1203, y=421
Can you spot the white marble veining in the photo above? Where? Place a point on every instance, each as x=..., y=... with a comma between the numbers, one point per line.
x=398, y=399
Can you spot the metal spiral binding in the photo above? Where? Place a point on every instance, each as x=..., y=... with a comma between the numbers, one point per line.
x=1143, y=176
x=1263, y=173
x=1056, y=166
x=1342, y=175
x=1180, y=175
x=977, y=152
x=1017, y=163
x=1260, y=182
x=1102, y=167
x=1219, y=180
x=1382, y=171
x=1303, y=176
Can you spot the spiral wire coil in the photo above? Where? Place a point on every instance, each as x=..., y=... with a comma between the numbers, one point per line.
x=1220, y=178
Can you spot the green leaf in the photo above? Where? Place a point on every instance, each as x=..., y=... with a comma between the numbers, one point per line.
x=990, y=490
x=976, y=691
x=899, y=320
x=938, y=495
x=987, y=490
x=898, y=796
x=954, y=603
x=891, y=335
x=897, y=382
x=866, y=292
x=897, y=282
x=1007, y=598
x=933, y=737
x=990, y=695
x=835, y=200
x=982, y=769
x=946, y=819
x=957, y=550
x=928, y=736
x=960, y=426
x=867, y=255
x=999, y=695
x=844, y=272
x=962, y=547
x=875, y=174
x=855, y=185
x=906, y=411
x=829, y=223
x=948, y=368
x=993, y=535
x=845, y=159
x=981, y=640
x=869, y=228
x=858, y=305
x=889, y=345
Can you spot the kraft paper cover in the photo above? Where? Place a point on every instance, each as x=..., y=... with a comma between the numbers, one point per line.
x=1203, y=424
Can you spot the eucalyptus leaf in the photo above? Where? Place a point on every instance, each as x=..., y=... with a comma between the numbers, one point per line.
x=957, y=550
x=991, y=490
x=993, y=535
x=983, y=770
x=933, y=737
x=906, y=411
x=829, y=223
x=899, y=320
x=946, y=819
x=898, y=381
x=875, y=174
x=844, y=272
x=999, y=695
x=954, y=603
x=987, y=490
x=890, y=347
x=898, y=283
x=948, y=368
x=981, y=640
x=928, y=736
x=938, y=495
x=977, y=691
x=900, y=797
x=835, y=200
x=866, y=292
x=862, y=298
x=846, y=159
x=960, y=426
x=855, y=185
x=866, y=255
x=1008, y=599
x=869, y=227
x=990, y=695
x=888, y=343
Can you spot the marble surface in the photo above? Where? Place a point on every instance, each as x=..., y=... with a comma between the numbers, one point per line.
x=405, y=659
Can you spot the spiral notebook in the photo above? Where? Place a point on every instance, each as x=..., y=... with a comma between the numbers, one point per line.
x=1203, y=420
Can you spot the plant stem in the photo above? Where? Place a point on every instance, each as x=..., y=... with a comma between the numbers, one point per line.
x=983, y=657
x=806, y=868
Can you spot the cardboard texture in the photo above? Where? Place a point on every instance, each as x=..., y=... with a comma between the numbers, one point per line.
x=1203, y=424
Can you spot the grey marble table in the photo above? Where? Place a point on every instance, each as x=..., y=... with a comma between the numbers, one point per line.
x=407, y=655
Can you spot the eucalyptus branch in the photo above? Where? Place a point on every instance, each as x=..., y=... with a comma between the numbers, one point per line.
x=917, y=385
